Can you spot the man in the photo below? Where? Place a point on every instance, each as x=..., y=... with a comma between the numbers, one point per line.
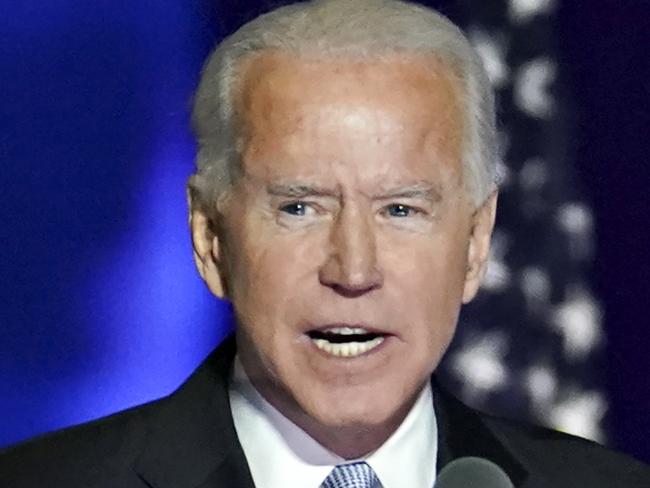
x=343, y=202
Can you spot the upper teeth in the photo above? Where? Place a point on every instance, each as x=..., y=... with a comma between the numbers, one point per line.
x=347, y=330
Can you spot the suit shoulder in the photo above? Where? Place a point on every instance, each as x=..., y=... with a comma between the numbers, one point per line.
x=80, y=452
x=570, y=460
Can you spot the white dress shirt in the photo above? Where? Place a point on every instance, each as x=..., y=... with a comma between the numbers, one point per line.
x=281, y=455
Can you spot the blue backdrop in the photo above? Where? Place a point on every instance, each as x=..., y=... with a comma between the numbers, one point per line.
x=100, y=306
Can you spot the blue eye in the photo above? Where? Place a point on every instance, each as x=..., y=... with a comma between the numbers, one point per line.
x=399, y=210
x=295, y=208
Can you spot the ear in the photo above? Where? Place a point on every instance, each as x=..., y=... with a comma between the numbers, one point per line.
x=207, y=257
x=479, y=246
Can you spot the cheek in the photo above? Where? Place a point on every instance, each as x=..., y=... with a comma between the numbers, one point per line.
x=273, y=272
x=429, y=280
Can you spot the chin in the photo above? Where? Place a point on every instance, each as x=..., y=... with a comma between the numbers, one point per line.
x=356, y=408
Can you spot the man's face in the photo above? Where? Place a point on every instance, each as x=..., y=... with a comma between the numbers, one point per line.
x=346, y=242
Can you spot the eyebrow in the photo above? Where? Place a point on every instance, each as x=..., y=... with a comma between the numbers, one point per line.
x=420, y=190
x=300, y=190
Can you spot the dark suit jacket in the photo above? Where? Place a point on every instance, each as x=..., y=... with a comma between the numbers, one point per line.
x=187, y=440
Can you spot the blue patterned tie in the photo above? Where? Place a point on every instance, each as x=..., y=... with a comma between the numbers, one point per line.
x=355, y=475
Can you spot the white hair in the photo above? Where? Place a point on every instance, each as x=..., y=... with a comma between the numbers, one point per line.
x=366, y=29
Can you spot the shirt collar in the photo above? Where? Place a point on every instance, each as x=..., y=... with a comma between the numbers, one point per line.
x=408, y=457
x=280, y=454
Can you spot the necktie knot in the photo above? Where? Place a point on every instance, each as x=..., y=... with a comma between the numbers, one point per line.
x=354, y=475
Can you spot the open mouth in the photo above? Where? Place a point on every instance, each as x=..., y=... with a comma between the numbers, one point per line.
x=346, y=342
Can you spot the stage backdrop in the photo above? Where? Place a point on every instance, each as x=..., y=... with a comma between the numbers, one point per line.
x=101, y=309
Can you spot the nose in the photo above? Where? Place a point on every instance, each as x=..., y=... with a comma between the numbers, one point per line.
x=351, y=267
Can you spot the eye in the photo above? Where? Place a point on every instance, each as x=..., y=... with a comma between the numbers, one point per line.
x=400, y=210
x=298, y=209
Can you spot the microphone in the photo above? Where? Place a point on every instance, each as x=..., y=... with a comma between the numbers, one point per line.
x=472, y=472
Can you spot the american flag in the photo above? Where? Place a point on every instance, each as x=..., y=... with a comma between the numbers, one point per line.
x=530, y=346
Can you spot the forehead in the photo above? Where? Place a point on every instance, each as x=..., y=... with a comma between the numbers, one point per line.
x=407, y=106
x=418, y=83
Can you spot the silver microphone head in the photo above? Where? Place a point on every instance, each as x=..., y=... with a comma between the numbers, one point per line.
x=472, y=472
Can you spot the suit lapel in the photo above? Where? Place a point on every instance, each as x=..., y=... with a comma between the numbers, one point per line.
x=191, y=441
x=464, y=432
